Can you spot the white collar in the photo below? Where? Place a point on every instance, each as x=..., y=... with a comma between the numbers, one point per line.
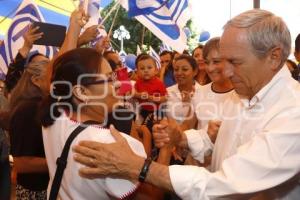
x=262, y=93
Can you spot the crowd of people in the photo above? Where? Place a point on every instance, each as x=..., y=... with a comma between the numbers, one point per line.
x=221, y=122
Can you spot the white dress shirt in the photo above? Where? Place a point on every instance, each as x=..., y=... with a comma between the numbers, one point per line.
x=73, y=186
x=257, y=149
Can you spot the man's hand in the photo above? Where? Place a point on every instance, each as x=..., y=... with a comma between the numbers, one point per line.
x=168, y=132
x=113, y=159
x=213, y=129
x=88, y=35
x=30, y=37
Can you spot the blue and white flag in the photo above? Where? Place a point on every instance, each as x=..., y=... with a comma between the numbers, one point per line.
x=153, y=53
x=143, y=7
x=93, y=10
x=165, y=18
x=26, y=14
x=164, y=47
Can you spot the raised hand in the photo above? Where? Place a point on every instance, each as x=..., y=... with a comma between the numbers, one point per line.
x=88, y=35
x=78, y=18
x=187, y=96
x=30, y=36
x=103, y=44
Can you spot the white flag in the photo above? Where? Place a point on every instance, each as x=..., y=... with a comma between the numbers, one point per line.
x=164, y=47
x=153, y=53
x=92, y=7
x=166, y=19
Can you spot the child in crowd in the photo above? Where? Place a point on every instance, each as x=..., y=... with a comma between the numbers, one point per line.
x=150, y=92
x=149, y=89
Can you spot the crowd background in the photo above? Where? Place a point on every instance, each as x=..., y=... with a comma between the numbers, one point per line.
x=171, y=86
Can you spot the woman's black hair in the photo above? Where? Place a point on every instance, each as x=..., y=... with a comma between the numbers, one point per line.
x=31, y=57
x=66, y=71
x=200, y=46
x=189, y=59
x=112, y=64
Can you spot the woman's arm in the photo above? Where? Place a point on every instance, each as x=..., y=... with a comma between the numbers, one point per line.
x=30, y=164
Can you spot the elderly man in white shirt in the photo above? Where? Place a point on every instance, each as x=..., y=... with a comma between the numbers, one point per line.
x=256, y=155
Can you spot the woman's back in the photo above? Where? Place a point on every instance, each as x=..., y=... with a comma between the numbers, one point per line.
x=73, y=186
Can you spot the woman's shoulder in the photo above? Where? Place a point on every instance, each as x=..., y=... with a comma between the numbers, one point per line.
x=173, y=88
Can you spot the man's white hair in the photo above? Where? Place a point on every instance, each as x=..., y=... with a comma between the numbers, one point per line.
x=265, y=31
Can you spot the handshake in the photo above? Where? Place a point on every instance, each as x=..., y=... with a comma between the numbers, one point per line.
x=168, y=132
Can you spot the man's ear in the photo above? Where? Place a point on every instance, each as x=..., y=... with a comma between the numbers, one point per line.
x=80, y=93
x=275, y=57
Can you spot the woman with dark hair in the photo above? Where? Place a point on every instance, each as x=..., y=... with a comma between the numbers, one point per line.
x=26, y=132
x=181, y=94
x=86, y=94
x=23, y=57
x=25, y=127
x=166, y=71
x=202, y=78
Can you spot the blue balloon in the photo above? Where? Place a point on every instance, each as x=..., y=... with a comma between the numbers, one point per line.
x=130, y=61
x=205, y=35
x=187, y=32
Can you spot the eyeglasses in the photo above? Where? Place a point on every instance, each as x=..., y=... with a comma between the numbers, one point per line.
x=109, y=78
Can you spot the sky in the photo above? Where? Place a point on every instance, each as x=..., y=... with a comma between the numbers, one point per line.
x=211, y=15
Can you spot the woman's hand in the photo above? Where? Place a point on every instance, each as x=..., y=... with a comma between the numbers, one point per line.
x=88, y=35
x=213, y=129
x=103, y=44
x=30, y=36
x=78, y=18
x=187, y=96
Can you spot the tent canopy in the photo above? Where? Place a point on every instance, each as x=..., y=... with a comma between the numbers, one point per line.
x=54, y=11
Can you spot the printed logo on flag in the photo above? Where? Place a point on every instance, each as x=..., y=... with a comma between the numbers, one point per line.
x=164, y=15
x=165, y=18
x=142, y=7
x=26, y=14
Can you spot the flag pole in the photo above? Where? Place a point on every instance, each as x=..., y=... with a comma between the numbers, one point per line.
x=113, y=22
x=143, y=35
x=109, y=13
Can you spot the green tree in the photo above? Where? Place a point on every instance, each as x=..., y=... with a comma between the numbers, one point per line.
x=193, y=41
